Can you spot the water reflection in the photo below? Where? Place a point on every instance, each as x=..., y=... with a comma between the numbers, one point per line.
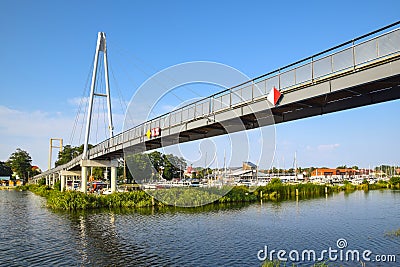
x=215, y=235
x=109, y=237
x=84, y=244
x=100, y=243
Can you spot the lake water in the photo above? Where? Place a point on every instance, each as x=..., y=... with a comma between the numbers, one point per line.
x=32, y=235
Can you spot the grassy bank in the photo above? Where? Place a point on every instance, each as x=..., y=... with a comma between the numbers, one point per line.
x=7, y=187
x=193, y=197
x=393, y=233
x=277, y=191
x=74, y=200
x=188, y=197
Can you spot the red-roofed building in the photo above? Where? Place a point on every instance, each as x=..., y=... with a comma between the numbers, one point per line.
x=326, y=172
x=189, y=171
x=35, y=170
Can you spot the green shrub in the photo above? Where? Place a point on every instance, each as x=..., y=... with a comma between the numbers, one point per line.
x=42, y=181
x=395, y=181
x=279, y=191
x=57, y=185
x=393, y=233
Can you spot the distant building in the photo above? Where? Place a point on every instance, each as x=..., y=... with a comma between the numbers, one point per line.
x=242, y=174
x=5, y=180
x=227, y=171
x=342, y=173
x=247, y=172
x=247, y=165
x=36, y=169
x=189, y=171
x=366, y=172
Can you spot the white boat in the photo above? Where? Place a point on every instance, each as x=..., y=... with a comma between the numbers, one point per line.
x=107, y=192
x=149, y=186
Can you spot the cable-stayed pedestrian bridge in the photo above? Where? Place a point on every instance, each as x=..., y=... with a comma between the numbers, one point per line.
x=360, y=72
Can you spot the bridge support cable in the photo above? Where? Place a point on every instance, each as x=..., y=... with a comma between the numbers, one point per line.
x=82, y=102
x=149, y=73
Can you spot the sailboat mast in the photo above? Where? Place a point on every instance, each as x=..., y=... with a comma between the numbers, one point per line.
x=295, y=165
x=224, y=179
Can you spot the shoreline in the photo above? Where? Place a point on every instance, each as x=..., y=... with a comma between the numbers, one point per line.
x=8, y=187
x=274, y=192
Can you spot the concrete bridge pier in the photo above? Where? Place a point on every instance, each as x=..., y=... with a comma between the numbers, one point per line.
x=113, y=179
x=84, y=179
x=113, y=164
x=62, y=183
x=65, y=175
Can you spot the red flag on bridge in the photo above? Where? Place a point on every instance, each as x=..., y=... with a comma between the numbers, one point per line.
x=274, y=96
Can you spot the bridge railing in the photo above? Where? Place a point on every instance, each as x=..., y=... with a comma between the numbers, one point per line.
x=308, y=71
x=317, y=68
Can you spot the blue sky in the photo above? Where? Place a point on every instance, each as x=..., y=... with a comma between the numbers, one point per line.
x=47, y=48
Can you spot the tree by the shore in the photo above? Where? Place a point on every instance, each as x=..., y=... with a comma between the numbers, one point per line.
x=20, y=163
x=68, y=153
x=395, y=180
x=146, y=166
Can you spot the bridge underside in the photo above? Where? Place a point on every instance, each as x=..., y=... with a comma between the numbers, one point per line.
x=353, y=96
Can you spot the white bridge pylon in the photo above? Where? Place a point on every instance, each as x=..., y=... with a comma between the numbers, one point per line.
x=101, y=47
